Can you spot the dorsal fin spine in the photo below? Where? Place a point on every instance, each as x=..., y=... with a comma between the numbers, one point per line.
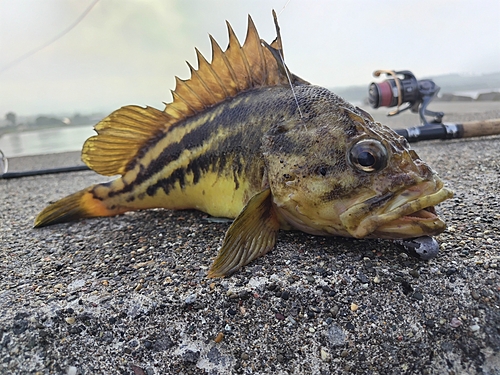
x=196, y=75
x=171, y=108
x=216, y=76
x=235, y=48
x=253, y=36
x=204, y=66
x=218, y=54
x=185, y=84
x=178, y=98
x=247, y=66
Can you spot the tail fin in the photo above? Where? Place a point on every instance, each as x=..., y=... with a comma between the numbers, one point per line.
x=82, y=204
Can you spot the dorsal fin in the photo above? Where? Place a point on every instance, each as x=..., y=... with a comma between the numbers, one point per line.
x=120, y=137
x=240, y=68
x=256, y=64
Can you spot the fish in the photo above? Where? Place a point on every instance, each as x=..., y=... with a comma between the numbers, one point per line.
x=246, y=139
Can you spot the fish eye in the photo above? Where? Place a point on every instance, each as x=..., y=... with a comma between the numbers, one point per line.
x=368, y=155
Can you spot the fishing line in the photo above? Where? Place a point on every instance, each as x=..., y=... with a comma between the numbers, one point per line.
x=291, y=86
x=284, y=6
x=282, y=57
x=57, y=37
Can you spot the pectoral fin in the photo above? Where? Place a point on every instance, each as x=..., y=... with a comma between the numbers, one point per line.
x=251, y=235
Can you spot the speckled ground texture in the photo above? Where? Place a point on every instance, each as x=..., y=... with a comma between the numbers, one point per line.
x=129, y=295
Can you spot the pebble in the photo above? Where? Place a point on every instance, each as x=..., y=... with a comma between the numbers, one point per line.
x=414, y=273
x=285, y=295
x=191, y=356
x=450, y=271
x=354, y=307
x=219, y=337
x=474, y=328
x=334, y=310
x=475, y=295
x=349, y=326
x=418, y=296
x=455, y=323
x=190, y=299
x=325, y=356
x=72, y=370
x=336, y=336
x=362, y=277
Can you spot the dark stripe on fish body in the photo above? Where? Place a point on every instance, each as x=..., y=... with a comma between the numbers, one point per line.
x=211, y=161
x=256, y=111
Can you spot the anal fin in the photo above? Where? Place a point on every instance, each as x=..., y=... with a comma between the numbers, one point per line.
x=252, y=234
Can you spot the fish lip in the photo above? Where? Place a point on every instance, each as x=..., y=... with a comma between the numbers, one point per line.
x=409, y=214
x=425, y=223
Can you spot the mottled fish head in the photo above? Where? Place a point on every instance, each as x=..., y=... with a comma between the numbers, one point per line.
x=333, y=170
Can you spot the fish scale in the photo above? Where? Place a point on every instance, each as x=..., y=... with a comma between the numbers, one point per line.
x=244, y=138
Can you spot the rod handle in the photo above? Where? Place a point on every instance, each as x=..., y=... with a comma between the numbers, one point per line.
x=480, y=128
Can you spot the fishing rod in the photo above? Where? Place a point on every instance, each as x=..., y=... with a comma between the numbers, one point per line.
x=413, y=134
x=451, y=131
x=403, y=88
x=5, y=174
x=38, y=172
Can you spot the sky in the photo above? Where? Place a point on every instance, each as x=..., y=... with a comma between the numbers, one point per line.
x=128, y=51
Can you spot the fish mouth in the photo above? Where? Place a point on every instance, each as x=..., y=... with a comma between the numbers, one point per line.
x=409, y=214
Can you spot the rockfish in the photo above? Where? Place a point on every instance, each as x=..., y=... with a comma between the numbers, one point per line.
x=245, y=138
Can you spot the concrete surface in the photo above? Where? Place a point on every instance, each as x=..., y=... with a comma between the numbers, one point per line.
x=129, y=295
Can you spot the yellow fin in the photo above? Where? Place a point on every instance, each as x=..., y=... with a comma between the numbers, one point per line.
x=120, y=137
x=252, y=234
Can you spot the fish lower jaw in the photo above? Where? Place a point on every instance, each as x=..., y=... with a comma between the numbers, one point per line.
x=412, y=219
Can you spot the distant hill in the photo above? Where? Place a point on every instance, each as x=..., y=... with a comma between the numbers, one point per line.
x=452, y=84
